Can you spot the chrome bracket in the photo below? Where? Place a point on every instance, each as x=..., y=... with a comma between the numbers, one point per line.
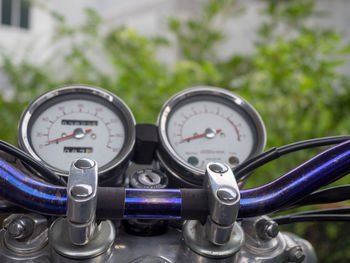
x=220, y=236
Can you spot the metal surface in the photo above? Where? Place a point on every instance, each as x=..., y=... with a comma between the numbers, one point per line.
x=33, y=247
x=221, y=182
x=194, y=234
x=97, y=248
x=167, y=248
x=148, y=179
x=82, y=200
x=171, y=161
x=220, y=236
x=82, y=192
x=123, y=157
x=19, y=228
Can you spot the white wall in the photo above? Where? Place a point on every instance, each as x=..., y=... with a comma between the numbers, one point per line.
x=148, y=17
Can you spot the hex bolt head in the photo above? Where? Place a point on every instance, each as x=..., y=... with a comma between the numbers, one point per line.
x=227, y=195
x=218, y=168
x=271, y=229
x=81, y=191
x=84, y=163
x=296, y=255
x=20, y=228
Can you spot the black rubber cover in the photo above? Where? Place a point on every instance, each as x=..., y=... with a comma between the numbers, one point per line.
x=194, y=204
x=110, y=202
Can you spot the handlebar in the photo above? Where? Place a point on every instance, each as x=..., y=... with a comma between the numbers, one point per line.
x=114, y=203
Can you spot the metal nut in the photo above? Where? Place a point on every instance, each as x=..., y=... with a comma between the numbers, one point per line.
x=20, y=228
x=296, y=255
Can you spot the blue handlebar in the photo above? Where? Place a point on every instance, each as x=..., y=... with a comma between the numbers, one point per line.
x=321, y=170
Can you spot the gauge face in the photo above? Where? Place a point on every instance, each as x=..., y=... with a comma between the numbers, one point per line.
x=207, y=131
x=70, y=123
x=206, y=124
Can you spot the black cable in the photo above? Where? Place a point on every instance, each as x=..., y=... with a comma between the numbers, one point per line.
x=337, y=211
x=250, y=165
x=23, y=156
x=8, y=207
x=329, y=195
x=282, y=220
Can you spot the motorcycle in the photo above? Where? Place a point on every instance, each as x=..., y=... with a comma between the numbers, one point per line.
x=88, y=184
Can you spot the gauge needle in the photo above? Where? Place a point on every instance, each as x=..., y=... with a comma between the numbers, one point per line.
x=77, y=133
x=209, y=133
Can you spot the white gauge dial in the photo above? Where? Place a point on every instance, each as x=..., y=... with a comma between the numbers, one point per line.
x=77, y=128
x=77, y=121
x=207, y=131
x=207, y=124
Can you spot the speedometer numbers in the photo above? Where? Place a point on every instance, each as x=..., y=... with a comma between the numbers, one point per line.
x=205, y=124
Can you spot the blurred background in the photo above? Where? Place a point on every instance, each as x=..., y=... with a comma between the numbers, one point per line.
x=289, y=59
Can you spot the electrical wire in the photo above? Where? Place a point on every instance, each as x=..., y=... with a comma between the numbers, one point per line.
x=245, y=168
x=289, y=219
x=337, y=210
x=26, y=158
x=8, y=207
x=329, y=195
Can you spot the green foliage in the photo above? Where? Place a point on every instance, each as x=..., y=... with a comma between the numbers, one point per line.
x=292, y=78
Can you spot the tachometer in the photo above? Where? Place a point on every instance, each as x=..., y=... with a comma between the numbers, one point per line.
x=207, y=124
x=78, y=121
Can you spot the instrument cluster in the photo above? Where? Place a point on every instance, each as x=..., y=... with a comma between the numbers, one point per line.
x=196, y=126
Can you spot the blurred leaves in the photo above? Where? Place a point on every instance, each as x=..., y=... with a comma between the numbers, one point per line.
x=292, y=77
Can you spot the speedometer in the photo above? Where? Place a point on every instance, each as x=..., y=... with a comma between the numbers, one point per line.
x=78, y=121
x=207, y=124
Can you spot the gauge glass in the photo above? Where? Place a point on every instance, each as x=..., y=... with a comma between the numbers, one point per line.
x=75, y=128
x=207, y=131
x=74, y=122
x=207, y=124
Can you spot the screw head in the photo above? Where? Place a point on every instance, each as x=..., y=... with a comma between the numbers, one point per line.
x=227, y=195
x=84, y=163
x=218, y=168
x=81, y=190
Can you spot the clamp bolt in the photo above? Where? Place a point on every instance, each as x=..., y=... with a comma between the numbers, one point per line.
x=81, y=191
x=84, y=163
x=227, y=195
x=218, y=168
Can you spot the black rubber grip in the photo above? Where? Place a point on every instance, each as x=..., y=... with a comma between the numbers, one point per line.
x=194, y=204
x=110, y=203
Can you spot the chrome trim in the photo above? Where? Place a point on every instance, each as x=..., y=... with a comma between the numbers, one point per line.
x=167, y=155
x=125, y=153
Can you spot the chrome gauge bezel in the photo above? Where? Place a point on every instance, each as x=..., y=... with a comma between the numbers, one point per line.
x=186, y=174
x=115, y=102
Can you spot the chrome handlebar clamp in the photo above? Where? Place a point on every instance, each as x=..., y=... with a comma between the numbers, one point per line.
x=77, y=236
x=220, y=236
